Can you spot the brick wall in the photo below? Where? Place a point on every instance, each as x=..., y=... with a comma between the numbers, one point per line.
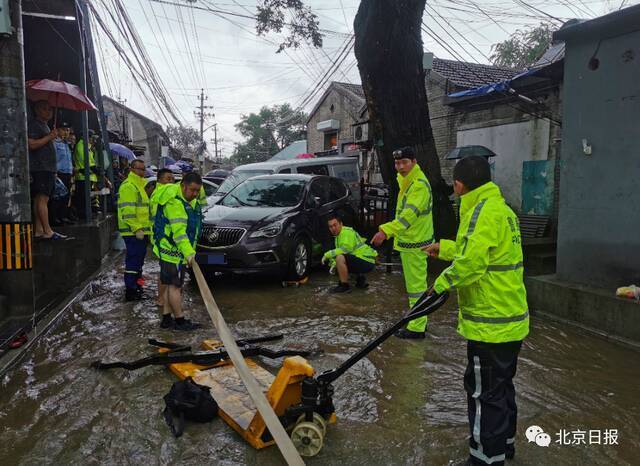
x=344, y=110
x=447, y=120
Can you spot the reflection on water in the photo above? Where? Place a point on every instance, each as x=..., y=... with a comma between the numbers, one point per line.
x=404, y=404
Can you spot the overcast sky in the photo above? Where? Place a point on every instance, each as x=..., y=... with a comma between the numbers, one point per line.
x=240, y=72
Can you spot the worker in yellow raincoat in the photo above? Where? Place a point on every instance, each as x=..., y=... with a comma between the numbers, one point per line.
x=412, y=229
x=487, y=272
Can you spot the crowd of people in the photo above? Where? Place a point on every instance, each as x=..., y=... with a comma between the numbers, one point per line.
x=57, y=169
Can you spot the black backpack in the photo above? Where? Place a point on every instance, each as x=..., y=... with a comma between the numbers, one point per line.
x=190, y=401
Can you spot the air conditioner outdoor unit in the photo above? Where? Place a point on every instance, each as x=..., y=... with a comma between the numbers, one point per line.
x=361, y=133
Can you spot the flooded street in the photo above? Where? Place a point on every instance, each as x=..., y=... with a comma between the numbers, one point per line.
x=404, y=404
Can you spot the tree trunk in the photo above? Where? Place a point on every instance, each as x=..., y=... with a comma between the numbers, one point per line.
x=388, y=47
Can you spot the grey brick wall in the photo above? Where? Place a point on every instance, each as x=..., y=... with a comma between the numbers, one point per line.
x=344, y=110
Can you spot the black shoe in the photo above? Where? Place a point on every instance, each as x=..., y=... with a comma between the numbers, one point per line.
x=510, y=452
x=361, y=282
x=131, y=294
x=167, y=321
x=185, y=325
x=340, y=288
x=56, y=223
x=68, y=221
x=408, y=334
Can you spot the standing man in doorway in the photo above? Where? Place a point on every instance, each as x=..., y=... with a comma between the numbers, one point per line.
x=176, y=229
x=412, y=229
x=43, y=166
x=134, y=224
x=487, y=273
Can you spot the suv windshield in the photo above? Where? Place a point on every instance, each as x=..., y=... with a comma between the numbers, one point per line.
x=265, y=193
x=238, y=176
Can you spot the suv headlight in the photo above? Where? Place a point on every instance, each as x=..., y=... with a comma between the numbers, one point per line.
x=271, y=230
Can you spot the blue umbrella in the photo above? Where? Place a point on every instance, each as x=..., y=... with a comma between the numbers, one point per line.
x=122, y=151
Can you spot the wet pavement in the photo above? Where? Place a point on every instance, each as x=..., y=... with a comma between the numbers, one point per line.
x=404, y=404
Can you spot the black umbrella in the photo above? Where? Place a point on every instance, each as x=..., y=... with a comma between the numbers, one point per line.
x=467, y=151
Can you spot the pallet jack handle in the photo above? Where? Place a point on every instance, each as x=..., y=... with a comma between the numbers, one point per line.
x=425, y=305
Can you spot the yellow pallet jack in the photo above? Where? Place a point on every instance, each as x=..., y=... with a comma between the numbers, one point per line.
x=302, y=399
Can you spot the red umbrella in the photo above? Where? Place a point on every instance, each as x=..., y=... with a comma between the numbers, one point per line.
x=58, y=94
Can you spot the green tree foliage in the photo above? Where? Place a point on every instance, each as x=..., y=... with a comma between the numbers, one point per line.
x=523, y=48
x=302, y=23
x=267, y=132
x=185, y=140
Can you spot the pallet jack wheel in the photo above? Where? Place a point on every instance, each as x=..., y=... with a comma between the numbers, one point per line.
x=317, y=420
x=307, y=438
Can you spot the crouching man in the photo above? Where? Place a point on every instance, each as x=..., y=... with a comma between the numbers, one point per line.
x=350, y=256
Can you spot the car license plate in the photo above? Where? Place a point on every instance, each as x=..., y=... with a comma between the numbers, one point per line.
x=211, y=259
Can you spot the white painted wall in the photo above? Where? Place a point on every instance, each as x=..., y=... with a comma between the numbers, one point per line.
x=513, y=143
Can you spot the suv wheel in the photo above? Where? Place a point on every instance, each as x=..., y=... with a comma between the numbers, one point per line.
x=299, y=260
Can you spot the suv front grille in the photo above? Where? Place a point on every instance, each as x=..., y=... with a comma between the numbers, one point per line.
x=219, y=237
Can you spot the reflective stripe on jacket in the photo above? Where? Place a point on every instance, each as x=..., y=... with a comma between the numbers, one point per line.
x=413, y=225
x=78, y=162
x=177, y=225
x=487, y=269
x=350, y=242
x=133, y=206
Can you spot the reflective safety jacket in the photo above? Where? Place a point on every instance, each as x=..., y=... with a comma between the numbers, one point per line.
x=202, y=198
x=153, y=202
x=487, y=269
x=412, y=228
x=133, y=206
x=350, y=242
x=78, y=162
x=177, y=225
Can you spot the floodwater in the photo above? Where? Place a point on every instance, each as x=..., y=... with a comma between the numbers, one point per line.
x=404, y=404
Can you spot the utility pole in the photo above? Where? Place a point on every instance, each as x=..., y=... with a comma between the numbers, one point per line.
x=16, y=267
x=215, y=141
x=202, y=115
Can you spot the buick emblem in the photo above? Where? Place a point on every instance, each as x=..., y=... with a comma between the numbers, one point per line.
x=213, y=236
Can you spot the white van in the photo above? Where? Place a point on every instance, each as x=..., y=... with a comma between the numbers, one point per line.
x=345, y=168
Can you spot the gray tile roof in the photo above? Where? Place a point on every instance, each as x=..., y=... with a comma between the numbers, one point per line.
x=355, y=89
x=471, y=75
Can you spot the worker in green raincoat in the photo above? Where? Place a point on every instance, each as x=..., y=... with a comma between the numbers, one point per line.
x=412, y=229
x=176, y=230
x=351, y=255
x=164, y=179
x=487, y=272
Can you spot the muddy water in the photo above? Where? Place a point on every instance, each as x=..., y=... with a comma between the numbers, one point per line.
x=404, y=404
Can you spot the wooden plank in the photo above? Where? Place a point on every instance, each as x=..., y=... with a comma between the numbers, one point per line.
x=280, y=436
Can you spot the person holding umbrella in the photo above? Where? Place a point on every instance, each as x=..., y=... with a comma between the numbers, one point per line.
x=43, y=166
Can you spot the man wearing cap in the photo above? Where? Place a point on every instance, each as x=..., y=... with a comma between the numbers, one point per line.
x=412, y=229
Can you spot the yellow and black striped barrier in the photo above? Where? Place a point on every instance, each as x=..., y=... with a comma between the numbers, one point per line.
x=15, y=246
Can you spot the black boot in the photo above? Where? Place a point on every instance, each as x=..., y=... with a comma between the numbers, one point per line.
x=167, y=321
x=131, y=294
x=408, y=334
x=340, y=288
x=361, y=282
x=510, y=451
x=185, y=325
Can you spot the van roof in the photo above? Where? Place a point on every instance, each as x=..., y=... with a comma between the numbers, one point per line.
x=277, y=164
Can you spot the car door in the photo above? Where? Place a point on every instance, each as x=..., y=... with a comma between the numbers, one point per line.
x=317, y=210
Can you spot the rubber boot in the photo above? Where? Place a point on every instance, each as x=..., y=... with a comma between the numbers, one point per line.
x=340, y=288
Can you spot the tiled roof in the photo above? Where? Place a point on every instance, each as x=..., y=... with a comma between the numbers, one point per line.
x=470, y=75
x=355, y=89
